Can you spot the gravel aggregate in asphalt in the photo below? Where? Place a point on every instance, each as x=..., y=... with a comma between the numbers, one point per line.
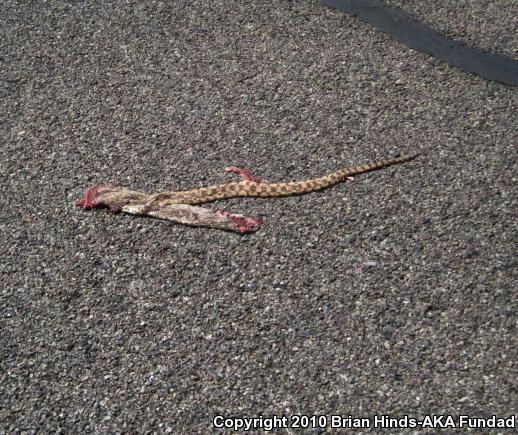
x=490, y=25
x=392, y=294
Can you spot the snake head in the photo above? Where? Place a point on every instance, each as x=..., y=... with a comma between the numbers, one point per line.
x=89, y=198
x=108, y=195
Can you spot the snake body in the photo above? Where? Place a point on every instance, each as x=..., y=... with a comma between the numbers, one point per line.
x=181, y=206
x=253, y=188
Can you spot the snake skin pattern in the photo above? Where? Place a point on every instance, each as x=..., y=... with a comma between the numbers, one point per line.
x=180, y=206
x=253, y=188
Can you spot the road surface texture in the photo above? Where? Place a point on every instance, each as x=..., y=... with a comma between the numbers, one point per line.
x=393, y=294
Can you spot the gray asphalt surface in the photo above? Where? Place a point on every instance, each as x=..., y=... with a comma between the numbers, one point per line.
x=392, y=294
x=490, y=25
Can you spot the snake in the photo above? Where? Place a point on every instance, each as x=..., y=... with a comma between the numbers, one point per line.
x=183, y=206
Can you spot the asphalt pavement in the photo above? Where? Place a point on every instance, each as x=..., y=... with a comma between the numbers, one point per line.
x=394, y=294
